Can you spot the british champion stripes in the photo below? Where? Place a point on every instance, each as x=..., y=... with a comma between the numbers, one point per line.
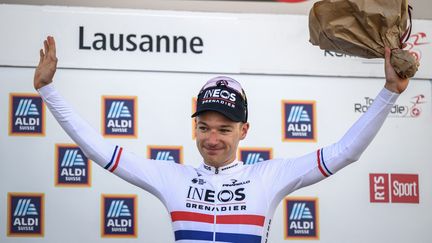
x=217, y=220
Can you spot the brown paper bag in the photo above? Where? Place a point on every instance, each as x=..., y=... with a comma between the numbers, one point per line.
x=362, y=28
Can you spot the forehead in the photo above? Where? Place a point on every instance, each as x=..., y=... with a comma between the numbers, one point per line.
x=213, y=117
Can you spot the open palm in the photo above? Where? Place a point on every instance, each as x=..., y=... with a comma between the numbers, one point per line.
x=47, y=64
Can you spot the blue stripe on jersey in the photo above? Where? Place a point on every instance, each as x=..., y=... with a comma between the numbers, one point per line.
x=325, y=167
x=208, y=236
x=237, y=238
x=193, y=235
x=112, y=158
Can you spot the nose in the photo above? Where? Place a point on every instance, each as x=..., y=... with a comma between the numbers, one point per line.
x=212, y=138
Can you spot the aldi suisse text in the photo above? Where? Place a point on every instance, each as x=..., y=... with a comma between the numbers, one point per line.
x=147, y=43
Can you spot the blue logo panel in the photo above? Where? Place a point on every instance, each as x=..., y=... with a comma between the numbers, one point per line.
x=119, y=117
x=25, y=215
x=168, y=154
x=119, y=216
x=299, y=121
x=250, y=156
x=27, y=115
x=301, y=219
x=72, y=166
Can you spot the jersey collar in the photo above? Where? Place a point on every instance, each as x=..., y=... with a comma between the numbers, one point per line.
x=227, y=169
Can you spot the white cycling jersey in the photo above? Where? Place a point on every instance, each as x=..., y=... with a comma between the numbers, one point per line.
x=234, y=203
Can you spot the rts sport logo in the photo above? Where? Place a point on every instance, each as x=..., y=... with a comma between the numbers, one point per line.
x=119, y=216
x=412, y=110
x=168, y=153
x=254, y=155
x=119, y=117
x=400, y=188
x=298, y=121
x=72, y=166
x=25, y=214
x=27, y=115
x=301, y=218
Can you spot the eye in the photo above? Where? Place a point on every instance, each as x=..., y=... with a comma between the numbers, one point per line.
x=202, y=128
x=224, y=130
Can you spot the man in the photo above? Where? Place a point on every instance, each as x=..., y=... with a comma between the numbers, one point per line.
x=223, y=200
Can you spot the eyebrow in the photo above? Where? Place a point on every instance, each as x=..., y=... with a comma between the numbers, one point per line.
x=222, y=126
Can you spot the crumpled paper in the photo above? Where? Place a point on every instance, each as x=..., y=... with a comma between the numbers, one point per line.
x=363, y=28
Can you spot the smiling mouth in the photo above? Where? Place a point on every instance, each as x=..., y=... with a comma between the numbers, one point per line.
x=213, y=151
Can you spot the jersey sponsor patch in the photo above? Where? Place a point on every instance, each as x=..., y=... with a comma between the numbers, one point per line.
x=298, y=121
x=168, y=153
x=26, y=214
x=72, y=166
x=119, y=214
x=254, y=155
x=301, y=218
x=119, y=116
x=26, y=115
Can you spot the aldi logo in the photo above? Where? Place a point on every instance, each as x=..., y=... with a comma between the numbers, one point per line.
x=254, y=155
x=298, y=121
x=72, y=166
x=168, y=153
x=26, y=115
x=119, y=117
x=119, y=214
x=301, y=218
x=26, y=214
x=400, y=188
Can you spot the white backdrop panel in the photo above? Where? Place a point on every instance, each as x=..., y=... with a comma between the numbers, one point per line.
x=164, y=108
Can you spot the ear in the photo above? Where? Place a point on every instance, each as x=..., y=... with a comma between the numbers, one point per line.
x=244, y=130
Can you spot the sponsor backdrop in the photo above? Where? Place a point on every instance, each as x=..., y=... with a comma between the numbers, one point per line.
x=133, y=75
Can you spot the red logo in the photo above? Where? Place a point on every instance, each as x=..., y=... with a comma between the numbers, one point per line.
x=378, y=184
x=413, y=43
x=404, y=188
x=400, y=188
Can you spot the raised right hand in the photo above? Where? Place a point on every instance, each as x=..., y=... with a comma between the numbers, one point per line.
x=47, y=66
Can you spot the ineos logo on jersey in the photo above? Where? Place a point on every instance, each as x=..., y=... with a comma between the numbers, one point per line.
x=220, y=93
x=26, y=115
x=118, y=116
x=72, y=166
x=210, y=196
x=119, y=216
x=26, y=214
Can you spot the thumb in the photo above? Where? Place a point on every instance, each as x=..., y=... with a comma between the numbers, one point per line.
x=387, y=55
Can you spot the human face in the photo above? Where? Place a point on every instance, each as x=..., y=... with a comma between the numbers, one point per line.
x=217, y=137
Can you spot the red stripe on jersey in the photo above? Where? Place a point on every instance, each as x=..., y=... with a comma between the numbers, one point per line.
x=188, y=216
x=240, y=219
x=319, y=164
x=220, y=219
x=117, y=160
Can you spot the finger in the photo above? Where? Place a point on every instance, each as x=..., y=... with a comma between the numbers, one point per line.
x=46, y=48
x=41, y=56
x=52, y=46
x=387, y=55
